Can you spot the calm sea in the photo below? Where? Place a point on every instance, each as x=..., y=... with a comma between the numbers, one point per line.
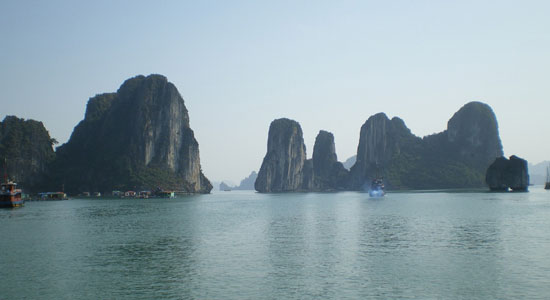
x=244, y=245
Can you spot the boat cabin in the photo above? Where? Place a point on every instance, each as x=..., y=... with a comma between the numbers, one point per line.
x=9, y=187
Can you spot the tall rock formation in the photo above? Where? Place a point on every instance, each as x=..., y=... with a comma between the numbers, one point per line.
x=282, y=167
x=26, y=150
x=328, y=173
x=286, y=169
x=382, y=142
x=138, y=137
x=504, y=174
x=454, y=158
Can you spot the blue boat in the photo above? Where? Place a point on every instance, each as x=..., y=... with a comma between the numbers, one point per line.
x=377, y=188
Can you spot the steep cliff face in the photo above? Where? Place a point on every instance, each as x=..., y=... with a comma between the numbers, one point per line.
x=286, y=169
x=381, y=143
x=282, y=167
x=25, y=152
x=504, y=174
x=138, y=137
x=454, y=158
x=328, y=173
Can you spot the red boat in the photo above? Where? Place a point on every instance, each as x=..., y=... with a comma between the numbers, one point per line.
x=10, y=195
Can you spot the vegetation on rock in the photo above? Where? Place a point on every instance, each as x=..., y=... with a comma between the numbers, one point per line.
x=455, y=158
x=26, y=150
x=136, y=138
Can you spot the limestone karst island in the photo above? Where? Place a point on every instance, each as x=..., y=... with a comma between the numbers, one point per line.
x=139, y=139
x=457, y=157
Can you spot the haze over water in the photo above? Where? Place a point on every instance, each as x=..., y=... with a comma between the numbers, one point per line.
x=245, y=245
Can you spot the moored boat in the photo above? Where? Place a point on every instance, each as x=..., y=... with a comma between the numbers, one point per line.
x=166, y=194
x=130, y=194
x=10, y=195
x=52, y=196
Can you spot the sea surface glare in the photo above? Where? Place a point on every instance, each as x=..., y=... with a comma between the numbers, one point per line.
x=246, y=245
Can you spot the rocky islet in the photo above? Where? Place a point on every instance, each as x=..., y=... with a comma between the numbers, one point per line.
x=458, y=157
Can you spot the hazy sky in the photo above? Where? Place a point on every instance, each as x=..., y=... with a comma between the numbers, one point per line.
x=327, y=64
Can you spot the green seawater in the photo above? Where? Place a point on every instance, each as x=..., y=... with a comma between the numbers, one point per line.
x=245, y=245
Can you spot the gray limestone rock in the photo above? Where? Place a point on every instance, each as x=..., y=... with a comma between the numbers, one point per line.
x=455, y=158
x=282, y=167
x=328, y=173
x=380, y=141
x=504, y=174
x=472, y=135
x=286, y=169
x=138, y=137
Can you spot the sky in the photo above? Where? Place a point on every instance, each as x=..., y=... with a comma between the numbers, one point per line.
x=327, y=64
